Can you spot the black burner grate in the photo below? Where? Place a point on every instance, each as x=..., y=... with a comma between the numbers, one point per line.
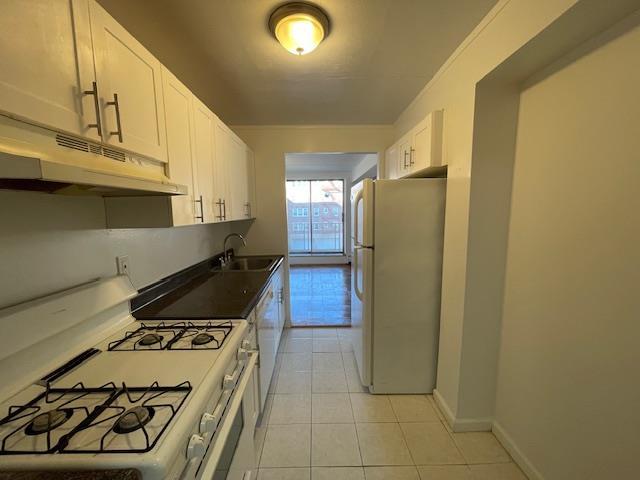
x=170, y=336
x=20, y=418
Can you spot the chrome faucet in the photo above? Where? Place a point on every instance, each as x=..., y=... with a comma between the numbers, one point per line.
x=226, y=258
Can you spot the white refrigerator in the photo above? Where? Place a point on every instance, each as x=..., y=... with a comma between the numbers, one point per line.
x=396, y=270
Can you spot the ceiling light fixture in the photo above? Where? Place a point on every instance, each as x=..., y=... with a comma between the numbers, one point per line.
x=299, y=26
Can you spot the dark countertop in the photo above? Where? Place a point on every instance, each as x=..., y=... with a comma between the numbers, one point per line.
x=202, y=293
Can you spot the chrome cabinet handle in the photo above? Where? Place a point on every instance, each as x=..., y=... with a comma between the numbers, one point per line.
x=224, y=206
x=219, y=205
x=96, y=105
x=405, y=159
x=247, y=207
x=201, y=216
x=411, y=151
x=117, y=105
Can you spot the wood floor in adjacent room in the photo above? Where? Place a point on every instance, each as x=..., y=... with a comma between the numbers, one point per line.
x=320, y=295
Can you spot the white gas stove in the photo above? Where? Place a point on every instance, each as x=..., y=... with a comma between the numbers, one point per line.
x=98, y=390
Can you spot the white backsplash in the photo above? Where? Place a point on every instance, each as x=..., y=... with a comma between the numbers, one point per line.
x=53, y=242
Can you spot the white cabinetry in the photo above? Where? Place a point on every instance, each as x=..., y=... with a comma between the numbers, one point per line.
x=418, y=150
x=67, y=65
x=179, y=119
x=269, y=321
x=204, y=122
x=225, y=150
x=46, y=64
x=427, y=143
x=130, y=86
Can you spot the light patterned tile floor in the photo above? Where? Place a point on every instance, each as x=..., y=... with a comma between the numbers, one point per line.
x=321, y=424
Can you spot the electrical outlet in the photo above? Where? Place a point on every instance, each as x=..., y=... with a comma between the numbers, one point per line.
x=123, y=265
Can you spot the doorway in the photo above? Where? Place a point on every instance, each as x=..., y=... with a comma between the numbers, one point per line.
x=315, y=216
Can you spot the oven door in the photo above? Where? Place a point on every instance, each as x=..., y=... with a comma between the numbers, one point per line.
x=232, y=453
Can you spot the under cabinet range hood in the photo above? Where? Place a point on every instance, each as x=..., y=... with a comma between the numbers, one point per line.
x=36, y=159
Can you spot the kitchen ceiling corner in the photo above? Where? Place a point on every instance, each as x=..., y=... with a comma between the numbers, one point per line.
x=379, y=55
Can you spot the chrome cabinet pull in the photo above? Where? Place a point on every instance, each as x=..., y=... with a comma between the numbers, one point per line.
x=247, y=207
x=201, y=216
x=117, y=105
x=405, y=159
x=219, y=205
x=411, y=151
x=224, y=206
x=96, y=105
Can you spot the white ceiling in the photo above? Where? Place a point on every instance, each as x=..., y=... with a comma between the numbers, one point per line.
x=378, y=56
x=323, y=162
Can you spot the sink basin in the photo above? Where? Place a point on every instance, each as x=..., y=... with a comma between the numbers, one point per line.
x=250, y=264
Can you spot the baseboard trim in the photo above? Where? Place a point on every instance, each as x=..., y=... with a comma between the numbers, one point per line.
x=518, y=457
x=318, y=260
x=461, y=424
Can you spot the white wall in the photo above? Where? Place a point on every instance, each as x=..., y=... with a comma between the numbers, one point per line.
x=368, y=163
x=52, y=242
x=469, y=337
x=270, y=144
x=568, y=390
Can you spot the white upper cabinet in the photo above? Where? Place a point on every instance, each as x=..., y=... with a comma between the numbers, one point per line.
x=234, y=164
x=427, y=143
x=405, y=149
x=418, y=149
x=226, y=150
x=46, y=65
x=180, y=147
x=204, y=122
x=130, y=87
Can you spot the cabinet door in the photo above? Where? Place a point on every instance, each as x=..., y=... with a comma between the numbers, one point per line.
x=404, y=152
x=239, y=180
x=266, y=322
x=46, y=64
x=391, y=162
x=427, y=143
x=129, y=80
x=180, y=145
x=251, y=184
x=225, y=151
x=203, y=127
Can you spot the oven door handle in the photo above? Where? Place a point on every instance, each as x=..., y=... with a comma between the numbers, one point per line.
x=210, y=463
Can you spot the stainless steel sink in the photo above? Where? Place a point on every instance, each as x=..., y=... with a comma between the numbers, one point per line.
x=250, y=264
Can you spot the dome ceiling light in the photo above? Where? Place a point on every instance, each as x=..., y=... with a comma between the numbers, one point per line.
x=299, y=26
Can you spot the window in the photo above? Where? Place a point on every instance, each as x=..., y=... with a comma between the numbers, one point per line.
x=315, y=221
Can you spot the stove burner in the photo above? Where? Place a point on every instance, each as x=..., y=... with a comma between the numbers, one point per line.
x=47, y=421
x=150, y=339
x=202, y=339
x=133, y=419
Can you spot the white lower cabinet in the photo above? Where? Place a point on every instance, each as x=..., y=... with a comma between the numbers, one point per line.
x=46, y=65
x=269, y=323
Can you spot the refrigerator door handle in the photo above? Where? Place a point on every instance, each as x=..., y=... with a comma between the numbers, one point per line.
x=356, y=200
x=356, y=290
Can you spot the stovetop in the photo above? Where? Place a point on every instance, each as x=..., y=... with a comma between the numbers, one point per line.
x=124, y=397
x=91, y=420
x=174, y=336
